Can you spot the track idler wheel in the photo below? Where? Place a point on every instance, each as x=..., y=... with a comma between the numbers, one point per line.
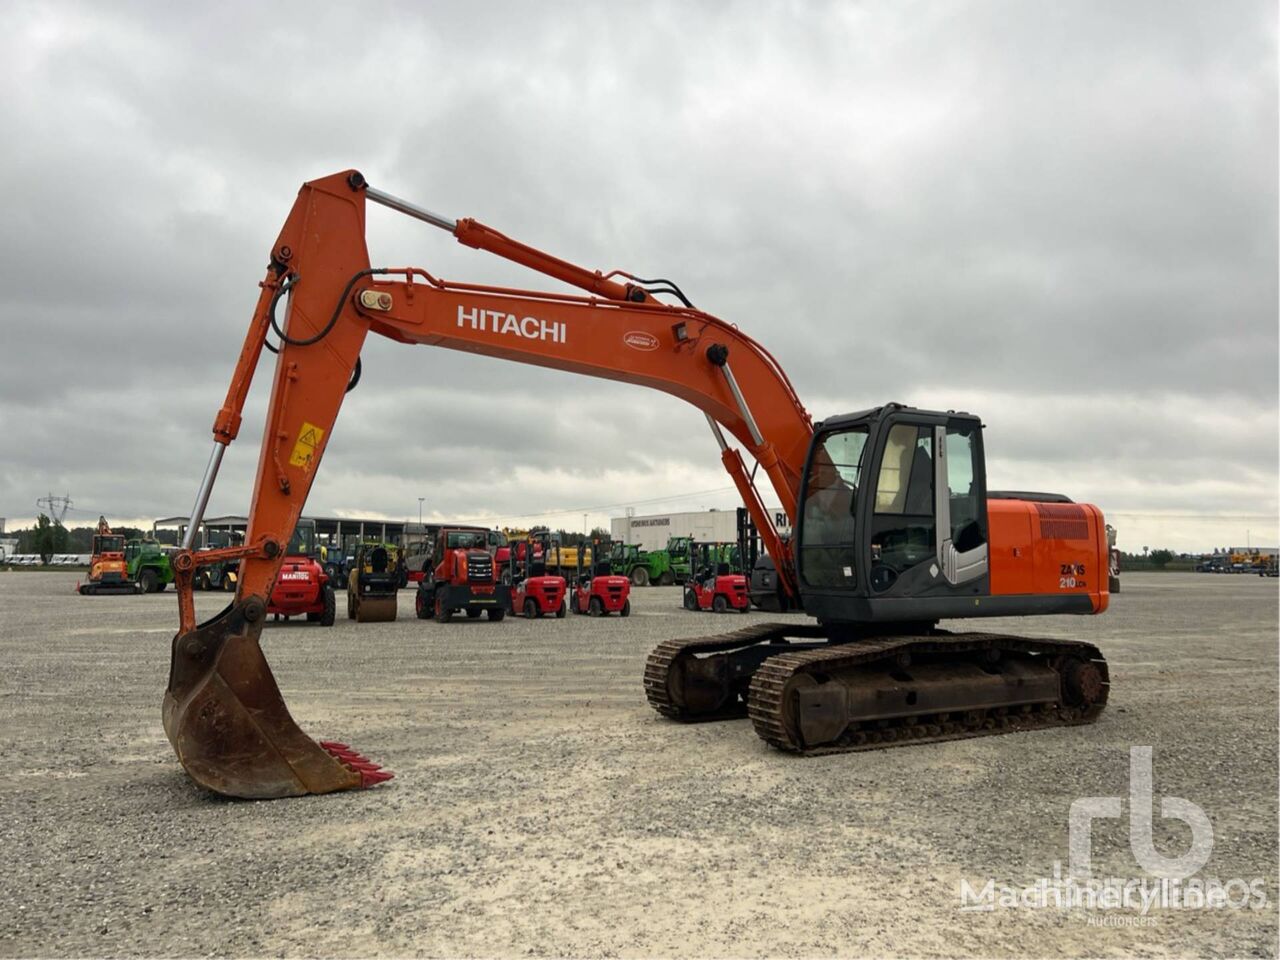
x=1082, y=682
x=229, y=725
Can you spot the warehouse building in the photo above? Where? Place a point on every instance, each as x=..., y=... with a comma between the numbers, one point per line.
x=650, y=532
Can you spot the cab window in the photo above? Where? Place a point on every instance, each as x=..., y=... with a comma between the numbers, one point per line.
x=903, y=529
x=963, y=470
x=303, y=541
x=828, y=545
x=906, y=472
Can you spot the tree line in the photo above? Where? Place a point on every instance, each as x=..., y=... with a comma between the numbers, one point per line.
x=48, y=538
x=1158, y=559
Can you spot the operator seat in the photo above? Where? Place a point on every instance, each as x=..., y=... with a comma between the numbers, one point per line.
x=920, y=485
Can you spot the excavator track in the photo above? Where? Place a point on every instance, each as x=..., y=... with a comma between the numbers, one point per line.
x=705, y=678
x=892, y=691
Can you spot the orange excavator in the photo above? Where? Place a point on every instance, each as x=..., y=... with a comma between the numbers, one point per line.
x=108, y=570
x=895, y=528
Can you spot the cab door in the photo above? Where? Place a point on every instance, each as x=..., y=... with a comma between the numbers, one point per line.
x=902, y=523
x=961, y=501
x=925, y=521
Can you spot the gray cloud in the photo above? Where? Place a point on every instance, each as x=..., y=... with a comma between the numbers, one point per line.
x=1062, y=216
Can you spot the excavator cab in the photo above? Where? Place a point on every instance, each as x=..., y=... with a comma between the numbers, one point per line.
x=893, y=519
x=114, y=543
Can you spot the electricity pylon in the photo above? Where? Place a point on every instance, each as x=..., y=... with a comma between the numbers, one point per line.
x=56, y=506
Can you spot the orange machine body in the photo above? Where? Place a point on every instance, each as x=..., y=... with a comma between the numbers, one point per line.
x=108, y=568
x=108, y=565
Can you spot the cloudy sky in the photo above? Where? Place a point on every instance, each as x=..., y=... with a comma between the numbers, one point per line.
x=1062, y=216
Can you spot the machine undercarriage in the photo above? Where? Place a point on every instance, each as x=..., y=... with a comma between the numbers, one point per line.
x=807, y=695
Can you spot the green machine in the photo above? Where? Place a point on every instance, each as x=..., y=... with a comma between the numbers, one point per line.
x=630, y=561
x=148, y=565
x=670, y=565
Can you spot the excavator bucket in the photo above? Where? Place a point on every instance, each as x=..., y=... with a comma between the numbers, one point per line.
x=232, y=732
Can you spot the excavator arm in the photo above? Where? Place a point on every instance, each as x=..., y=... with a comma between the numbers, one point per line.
x=319, y=300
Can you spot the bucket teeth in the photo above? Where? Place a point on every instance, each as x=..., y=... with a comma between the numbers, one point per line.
x=370, y=773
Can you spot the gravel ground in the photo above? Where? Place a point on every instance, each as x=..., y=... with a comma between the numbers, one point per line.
x=541, y=808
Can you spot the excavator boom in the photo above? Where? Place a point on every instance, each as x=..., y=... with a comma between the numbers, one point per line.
x=223, y=711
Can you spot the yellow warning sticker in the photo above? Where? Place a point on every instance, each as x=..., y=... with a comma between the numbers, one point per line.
x=304, y=451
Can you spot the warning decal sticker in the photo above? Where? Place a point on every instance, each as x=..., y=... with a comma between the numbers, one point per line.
x=304, y=451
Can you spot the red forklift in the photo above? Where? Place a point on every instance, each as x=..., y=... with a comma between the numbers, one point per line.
x=597, y=591
x=462, y=579
x=712, y=584
x=534, y=592
x=303, y=588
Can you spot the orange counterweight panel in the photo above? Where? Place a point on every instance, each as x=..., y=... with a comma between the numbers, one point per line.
x=1048, y=549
